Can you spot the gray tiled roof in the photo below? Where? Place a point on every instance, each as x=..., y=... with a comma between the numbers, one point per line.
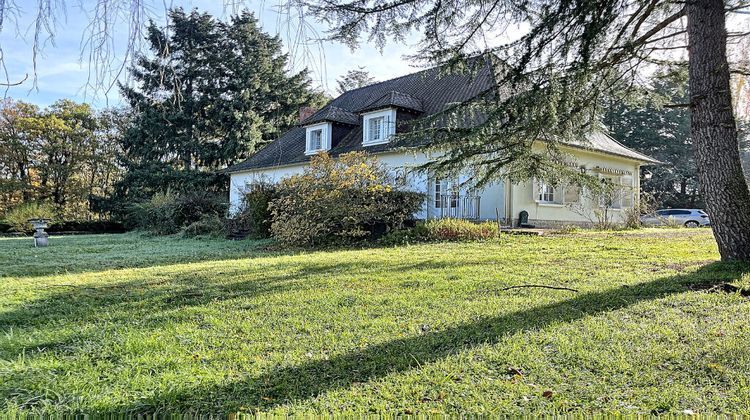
x=395, y=99
x=602, y=142
x=425, y=92
x=332, y=114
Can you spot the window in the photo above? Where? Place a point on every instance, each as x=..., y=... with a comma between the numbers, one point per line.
x=378, y=127
x=546, y=193
x=446, y=194
x=375, y=129
x=316, y=139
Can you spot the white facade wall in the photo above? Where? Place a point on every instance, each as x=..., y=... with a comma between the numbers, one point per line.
x=500, y=199
x=492, y=196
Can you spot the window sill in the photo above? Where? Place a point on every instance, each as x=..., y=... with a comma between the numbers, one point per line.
x=314, y=152
x=374, y=143
x=545, y=204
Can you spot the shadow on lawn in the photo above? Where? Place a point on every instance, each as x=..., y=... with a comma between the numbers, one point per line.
x=307, y=380
x=172, y=291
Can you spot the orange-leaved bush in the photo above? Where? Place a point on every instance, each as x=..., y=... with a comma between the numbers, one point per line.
x=340, y=200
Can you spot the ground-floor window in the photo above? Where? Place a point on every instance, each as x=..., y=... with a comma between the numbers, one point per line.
x=546, y=193
x=445, y=193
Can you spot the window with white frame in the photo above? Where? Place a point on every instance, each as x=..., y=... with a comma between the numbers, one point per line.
x=378, y=127
x=445, y=193
x=375, y=129
x=546, y=193
x=318, y=138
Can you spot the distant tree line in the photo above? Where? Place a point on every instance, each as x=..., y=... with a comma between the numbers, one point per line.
x=64, y=155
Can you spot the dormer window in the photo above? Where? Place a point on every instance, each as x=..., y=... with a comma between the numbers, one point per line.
x=375, y=129
x=318, y=138
x=378, y=127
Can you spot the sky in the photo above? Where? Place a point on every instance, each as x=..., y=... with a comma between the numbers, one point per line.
x=62, y=68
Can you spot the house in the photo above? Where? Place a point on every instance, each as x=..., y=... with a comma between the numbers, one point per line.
x=368, y=117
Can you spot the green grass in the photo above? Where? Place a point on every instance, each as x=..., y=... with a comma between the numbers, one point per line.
x=124, y=323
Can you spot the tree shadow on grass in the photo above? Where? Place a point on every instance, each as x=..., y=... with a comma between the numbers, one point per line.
x=308, y=380
x=171, y=292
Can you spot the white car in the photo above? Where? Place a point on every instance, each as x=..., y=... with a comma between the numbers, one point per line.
x=686, y=217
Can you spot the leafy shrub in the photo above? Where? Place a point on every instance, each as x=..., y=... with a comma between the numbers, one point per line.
x=192, y=207
x=442, y=230
x=631, y=218
x=460, y=230
x=167, y=213
x=210, y=225
x=18, y=217
x=156, y=215
x=339, y=201
x=255, y=216
x=407, y=236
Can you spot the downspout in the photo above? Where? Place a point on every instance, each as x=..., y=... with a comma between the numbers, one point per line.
x=509, y=204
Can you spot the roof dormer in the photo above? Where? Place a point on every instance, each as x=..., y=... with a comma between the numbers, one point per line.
x=378, y=127
x=317, y=138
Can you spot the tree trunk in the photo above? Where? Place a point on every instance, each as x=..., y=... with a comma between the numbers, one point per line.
x=714, y=130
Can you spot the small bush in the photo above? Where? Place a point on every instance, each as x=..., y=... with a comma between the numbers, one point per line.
x=167, y=213
x=18, y=217
x=340, y=201
x=194, y=206
x=210, y=225
x=460, y=230
x=442, y=230
x=631, y=218
x=407, y=236
x=255, y=216
x=156, y=215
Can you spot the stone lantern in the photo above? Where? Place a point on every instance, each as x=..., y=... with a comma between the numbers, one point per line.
x=41, y=238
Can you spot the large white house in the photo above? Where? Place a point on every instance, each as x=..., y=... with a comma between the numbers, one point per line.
x=367, y=119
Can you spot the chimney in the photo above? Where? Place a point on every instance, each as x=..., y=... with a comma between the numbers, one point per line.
x=305, y=112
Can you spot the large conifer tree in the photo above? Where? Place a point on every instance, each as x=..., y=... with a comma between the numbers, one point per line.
x=208, y=94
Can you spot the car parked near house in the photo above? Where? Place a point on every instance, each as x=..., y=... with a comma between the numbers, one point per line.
x=685, y=217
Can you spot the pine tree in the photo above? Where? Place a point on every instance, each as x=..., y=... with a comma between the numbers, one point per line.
x=207, y=96
x=354, y=79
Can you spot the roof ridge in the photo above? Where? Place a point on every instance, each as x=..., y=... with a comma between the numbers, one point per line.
x=389, y=80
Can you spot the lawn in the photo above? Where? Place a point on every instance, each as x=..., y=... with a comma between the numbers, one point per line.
x=124, y=323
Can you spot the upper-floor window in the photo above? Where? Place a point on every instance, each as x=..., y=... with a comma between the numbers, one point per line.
x=318, y=138
x=375, y=129
x=378, y=126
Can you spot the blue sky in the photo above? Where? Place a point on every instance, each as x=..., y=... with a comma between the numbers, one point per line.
x=62, y=72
